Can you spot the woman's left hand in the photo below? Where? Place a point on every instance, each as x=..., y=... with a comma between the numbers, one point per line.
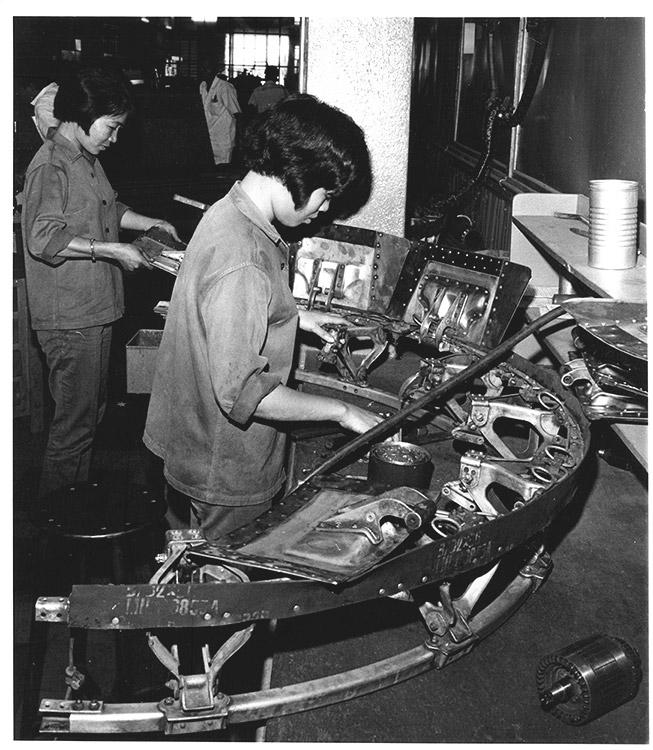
x=167, y=227
x=313, y=321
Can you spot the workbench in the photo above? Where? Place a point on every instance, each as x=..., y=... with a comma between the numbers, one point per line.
x=557, y=257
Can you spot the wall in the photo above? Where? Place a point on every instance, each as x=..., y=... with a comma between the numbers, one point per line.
x=587, y=119
x=363, y=66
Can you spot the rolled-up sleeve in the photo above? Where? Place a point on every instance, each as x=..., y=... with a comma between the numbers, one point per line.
x=46, y=227
x=121, y=208
x=235, y=316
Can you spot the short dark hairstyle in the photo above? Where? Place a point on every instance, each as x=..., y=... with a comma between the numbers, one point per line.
x=91, y=93
x=271, y=73
x=308, y=144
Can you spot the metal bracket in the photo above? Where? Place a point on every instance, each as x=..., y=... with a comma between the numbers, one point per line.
x=451, y=635
x=52, y=609
x=200, y=706
x=181, y=721
x=484, y=414
x=538, y=567
x=53, y=706
x=476, y=476
x=366, y=518
x=622, y=402
x=339, y=353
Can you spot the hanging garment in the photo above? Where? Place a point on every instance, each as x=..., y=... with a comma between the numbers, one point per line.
x=220, y=108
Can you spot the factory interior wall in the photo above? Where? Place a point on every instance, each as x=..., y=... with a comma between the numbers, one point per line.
x=374, y=88
x=586, y=120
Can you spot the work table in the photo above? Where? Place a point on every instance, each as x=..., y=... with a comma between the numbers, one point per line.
x=558, y=259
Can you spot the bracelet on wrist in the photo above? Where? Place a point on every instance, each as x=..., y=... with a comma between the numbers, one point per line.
x=92, y=241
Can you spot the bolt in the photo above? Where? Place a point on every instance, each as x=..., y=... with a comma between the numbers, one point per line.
x=115, y=620
x=169, y=701
x=207, y=615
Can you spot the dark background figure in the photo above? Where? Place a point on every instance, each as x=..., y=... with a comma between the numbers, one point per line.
x=270, y=93
x=245, y=83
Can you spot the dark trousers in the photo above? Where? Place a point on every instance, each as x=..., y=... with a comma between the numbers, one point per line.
x=217, y=520
x=78, y=363
x=214, y=521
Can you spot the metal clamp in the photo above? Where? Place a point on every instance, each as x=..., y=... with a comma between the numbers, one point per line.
x=181, y=721
x=338, y=351
x=199, y=706
x=366, y=517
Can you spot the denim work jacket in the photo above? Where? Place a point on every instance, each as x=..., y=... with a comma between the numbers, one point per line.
x=228, y=341
x=67, y=194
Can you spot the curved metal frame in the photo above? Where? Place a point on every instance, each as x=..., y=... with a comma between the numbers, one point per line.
x=450, y=638
x=281, y=701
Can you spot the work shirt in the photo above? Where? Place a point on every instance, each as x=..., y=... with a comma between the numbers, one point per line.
x=67, y=194
x=228, y=341
x=266, y=96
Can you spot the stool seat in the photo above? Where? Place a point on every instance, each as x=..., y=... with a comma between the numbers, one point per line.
x=95, y=510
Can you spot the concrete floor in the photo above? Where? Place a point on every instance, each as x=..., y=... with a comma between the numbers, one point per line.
x=598, y=586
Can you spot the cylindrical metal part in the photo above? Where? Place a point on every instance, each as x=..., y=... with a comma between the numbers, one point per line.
x=588, y=678
x=613, y=224
x=399, y=465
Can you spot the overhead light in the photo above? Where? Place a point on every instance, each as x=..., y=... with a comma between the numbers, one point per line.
x=203, y=19
x=144, y=19
x=169, y=24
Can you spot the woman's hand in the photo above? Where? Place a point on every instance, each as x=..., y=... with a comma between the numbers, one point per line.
x=313, y=321
x=357, y=419
x=167, y=227
x=129, y=256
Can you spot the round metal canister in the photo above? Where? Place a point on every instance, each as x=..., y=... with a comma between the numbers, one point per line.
x=613, y=224
x=399, y=465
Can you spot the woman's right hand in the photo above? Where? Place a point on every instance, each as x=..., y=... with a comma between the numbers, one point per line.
x=357, y=419
x=129, y=256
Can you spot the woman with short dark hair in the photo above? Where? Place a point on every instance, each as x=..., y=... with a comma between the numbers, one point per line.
x=74, y=260
x=220, y=387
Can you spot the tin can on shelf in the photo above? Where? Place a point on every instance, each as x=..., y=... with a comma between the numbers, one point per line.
x=613, y=224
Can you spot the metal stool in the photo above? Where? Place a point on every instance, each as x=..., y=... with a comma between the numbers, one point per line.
x=94, y=513
x=88, y=520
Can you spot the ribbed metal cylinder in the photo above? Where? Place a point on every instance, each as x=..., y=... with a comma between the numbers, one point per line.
x=613, y=224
